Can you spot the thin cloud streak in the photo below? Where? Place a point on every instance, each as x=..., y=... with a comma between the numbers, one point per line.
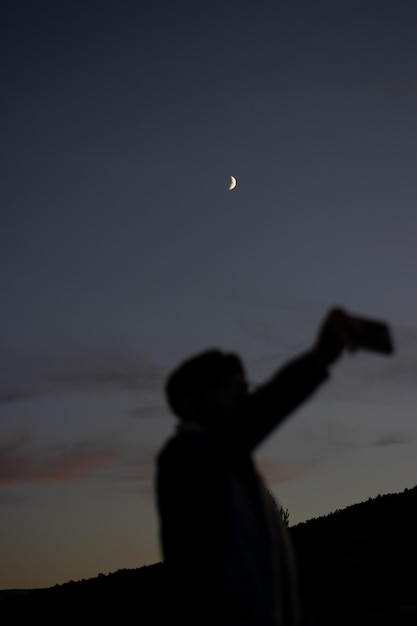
x=131, y=177
x=29, y=376
x=392, y=439
x=138, y=467
x=21, y=465
x=148, y=411
x=332, y=444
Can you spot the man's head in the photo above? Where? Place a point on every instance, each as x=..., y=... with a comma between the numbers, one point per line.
x=206, y=387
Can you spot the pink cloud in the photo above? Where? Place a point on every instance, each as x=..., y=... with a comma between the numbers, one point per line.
x=276, y=472
x=20, y=466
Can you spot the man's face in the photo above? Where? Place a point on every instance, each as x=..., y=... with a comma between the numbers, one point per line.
x=226, y=395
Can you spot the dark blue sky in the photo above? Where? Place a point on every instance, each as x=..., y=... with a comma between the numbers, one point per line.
x=122, y=250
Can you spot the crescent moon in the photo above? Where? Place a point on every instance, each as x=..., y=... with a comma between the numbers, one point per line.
x=233, y=183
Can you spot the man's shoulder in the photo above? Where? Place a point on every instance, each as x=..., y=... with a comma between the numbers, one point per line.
x=186, y=460
x=184, y=444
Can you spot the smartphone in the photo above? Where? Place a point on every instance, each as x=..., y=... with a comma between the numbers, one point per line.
x=374, y=335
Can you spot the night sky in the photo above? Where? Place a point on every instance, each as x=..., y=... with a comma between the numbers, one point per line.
x=123, y=252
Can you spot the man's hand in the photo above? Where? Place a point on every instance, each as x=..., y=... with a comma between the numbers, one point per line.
x=338, y=332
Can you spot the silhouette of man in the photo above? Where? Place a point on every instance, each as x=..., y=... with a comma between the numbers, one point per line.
x=224, y=545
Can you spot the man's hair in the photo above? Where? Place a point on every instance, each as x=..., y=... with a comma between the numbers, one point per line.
x=196, y=376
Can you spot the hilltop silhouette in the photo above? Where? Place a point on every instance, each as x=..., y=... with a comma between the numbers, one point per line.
x=357, y=566
x=360, y=561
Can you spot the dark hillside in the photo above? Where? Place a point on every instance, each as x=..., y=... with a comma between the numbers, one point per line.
x=362, y=559
x=357, y=566
x=127, y=597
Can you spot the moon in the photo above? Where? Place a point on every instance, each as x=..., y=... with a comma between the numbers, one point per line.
x=233, y=183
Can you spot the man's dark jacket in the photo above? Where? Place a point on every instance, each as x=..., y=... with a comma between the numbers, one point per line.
x=215, y=532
